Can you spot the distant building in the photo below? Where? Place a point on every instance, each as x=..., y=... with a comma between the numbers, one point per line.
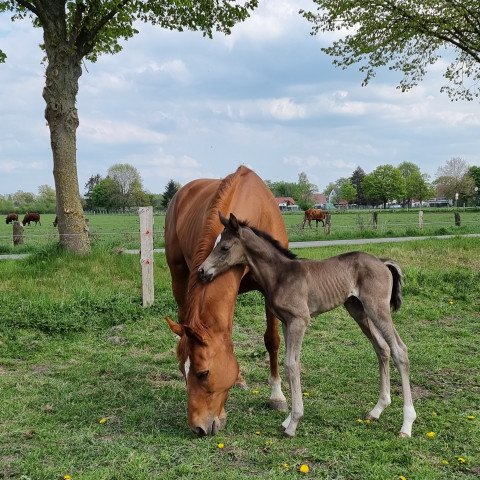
x=320, y=200
x=286, y=204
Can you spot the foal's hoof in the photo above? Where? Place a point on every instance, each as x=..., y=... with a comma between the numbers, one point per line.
x=280, y=405
x=371, y=418
x=404, y=435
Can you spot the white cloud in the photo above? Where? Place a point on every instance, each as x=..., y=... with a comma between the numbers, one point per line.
x=285, y=109
x=115, y=132
x=314, y=161
x=175, y=68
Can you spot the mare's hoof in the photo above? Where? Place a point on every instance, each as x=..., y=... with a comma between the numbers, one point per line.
x=280, y=405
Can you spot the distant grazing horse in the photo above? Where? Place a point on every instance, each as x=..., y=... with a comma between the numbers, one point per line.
x=205, y=310
x=314, y=214
x=31, y=217
x=297, y=290
x=11, y=217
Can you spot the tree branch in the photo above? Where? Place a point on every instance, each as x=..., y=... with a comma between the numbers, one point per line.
x=28, y=6
x=86, y=38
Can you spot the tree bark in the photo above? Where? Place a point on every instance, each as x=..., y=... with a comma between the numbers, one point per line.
x=60, y=92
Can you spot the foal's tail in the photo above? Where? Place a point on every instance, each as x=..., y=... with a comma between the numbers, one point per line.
x=396, y=271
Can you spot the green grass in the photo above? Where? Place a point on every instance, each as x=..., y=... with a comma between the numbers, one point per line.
x=76, y=346
x=122, y=231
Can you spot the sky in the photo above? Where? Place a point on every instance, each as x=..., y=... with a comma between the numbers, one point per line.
x=180, y=106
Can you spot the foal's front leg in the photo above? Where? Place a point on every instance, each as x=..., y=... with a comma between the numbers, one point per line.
x=294, y=330
x=272, y=343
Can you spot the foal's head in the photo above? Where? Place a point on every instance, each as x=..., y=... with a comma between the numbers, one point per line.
x=228, y=251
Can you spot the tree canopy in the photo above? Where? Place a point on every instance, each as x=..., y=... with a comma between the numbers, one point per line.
x=406, y=36
x=78, y=30
x=384, y=184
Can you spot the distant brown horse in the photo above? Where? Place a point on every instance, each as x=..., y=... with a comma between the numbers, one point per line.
x=31, y=217
x=205, y=311
x=296, y=290
x=11, y=217
x=314, y=214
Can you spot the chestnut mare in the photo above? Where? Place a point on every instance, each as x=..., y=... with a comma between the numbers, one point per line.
x=205, y=311
x=297, y=290
x=314, y=214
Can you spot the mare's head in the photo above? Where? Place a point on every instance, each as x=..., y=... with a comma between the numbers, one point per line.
x=210, y=369
x=228, y=251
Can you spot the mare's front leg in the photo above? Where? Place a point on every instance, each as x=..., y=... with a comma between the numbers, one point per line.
x=294, y=330
x=272, y=344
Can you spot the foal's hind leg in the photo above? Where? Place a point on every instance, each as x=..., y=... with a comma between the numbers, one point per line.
x=272, y=343
x=380, y=316
x=356, y=310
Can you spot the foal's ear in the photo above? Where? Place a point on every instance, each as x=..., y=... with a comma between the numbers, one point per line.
x=233, y=222
x=176, y=328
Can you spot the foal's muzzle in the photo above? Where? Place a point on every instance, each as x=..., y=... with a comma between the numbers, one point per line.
x=204, y=276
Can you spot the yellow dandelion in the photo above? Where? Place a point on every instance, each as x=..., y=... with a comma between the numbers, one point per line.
x=434, y=414
x=255, y=392
x=430, y=434
x=401, y=477
x=258, y=432
x=103, y=420
x=304, y=468
x=221, y=445
x=67, y=477
x=445, y=462
x=359, y=420
x=286, y=466
x=306, y=394
x=461, y=460
x=471, y=417
x=451, y=302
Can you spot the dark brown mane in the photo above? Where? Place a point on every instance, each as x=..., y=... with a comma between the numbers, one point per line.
x=275, y=243
x=196, y=289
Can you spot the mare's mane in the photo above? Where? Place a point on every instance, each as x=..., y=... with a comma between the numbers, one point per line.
x=266, y=236
x=196, y=289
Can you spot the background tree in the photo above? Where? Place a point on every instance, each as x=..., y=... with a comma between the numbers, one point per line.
x=92, y=182
x=282, y=188
x=347, y=191
x=416, y=184
x=356, y=179
x=453, y=178
x=104, y=194
x=46, y=200
x=304, y=191
x=474, y=172
x=384, y=184
x=75, y=30
x=129, y=190
x=170, y=190
x=406, y=36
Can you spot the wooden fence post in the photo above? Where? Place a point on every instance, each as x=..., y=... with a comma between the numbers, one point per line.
x=328, y=224
x=457, y=219
x=375, y=220
x=420, y=220
x=17, y=233
x=146, y=254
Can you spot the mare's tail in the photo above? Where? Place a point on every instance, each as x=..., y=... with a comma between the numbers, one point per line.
x=396, y=271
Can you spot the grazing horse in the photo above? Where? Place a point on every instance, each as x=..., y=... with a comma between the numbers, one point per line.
x=205, y=311
x=314, y=214
x=31, y=217
x=11, y=217
x=297, y=290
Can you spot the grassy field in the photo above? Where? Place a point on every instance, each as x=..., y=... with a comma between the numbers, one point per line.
x=122, y=231
x=90, y=388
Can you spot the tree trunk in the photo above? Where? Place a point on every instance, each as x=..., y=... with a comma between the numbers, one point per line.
x=60, y=92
